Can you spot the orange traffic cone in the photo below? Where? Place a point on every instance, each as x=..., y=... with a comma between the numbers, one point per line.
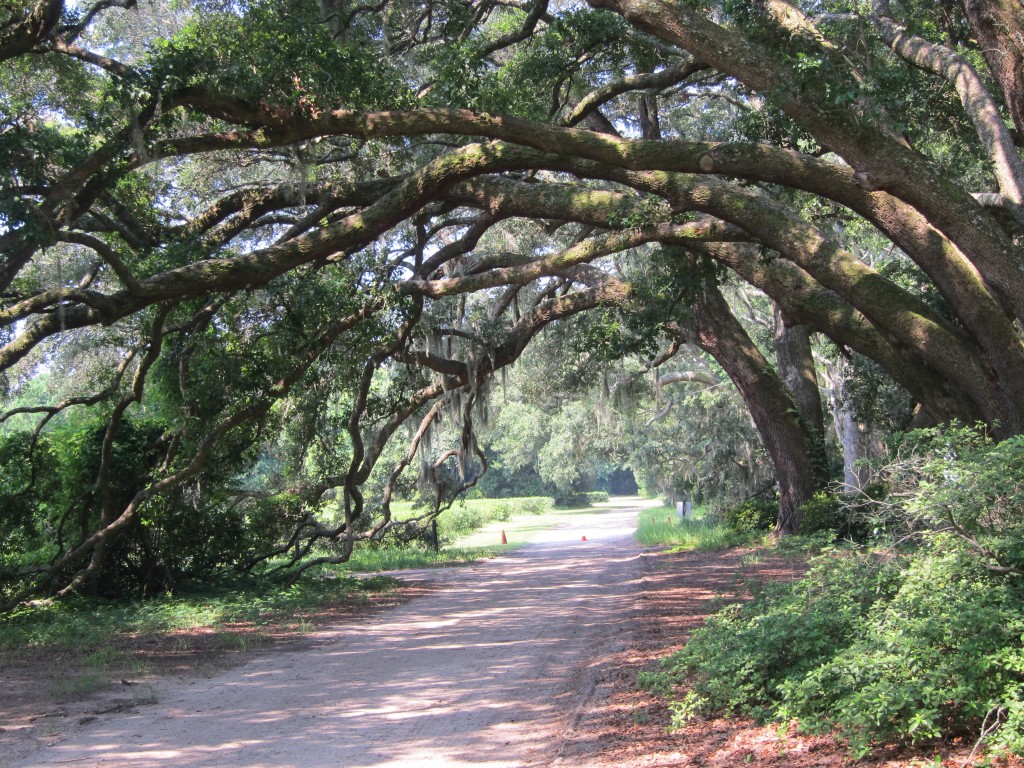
x=583, y=539
x=504, y=540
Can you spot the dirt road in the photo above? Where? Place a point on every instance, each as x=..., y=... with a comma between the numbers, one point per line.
x=490, y=670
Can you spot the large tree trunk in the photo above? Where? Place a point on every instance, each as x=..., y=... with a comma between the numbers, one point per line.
x=20, y=34
x=794, y=362
x=945, y=375
x=720, y=334
x=858, y=441
x=999, y=27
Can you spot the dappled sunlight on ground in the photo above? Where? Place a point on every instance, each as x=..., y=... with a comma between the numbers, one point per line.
x=483, y=672
x=524, y=661
x=624, y=727
x=563, y=525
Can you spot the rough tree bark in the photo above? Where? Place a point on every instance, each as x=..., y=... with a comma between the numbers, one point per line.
x=19, y=34
x=794, y=361
x=999, y=27
x=720, y=334
x=857, y=441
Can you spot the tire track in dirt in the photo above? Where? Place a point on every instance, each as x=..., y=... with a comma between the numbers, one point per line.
x=488, y=671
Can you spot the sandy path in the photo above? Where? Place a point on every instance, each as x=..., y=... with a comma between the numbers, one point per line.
x=489, y=671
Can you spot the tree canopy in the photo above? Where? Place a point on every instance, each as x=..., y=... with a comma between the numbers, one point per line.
x=261, y=248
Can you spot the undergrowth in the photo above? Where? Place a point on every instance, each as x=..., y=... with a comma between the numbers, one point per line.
x=469, y=515
x=414, y=555
x=87, y=624
x=915, y=635
x=661, y=526
x=84, y=624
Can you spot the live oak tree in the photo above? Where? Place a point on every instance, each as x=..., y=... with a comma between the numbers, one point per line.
x=262, y=241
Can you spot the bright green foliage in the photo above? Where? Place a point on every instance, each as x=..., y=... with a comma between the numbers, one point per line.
x=882, y=648
x=390, y=557
x=705, y=448
x=467, y=516
x=740, y=659
x=554, y=431
x=903, y=643
x=757, y=514
x=930, y=661
x=278, y=52
x=85, y=624
x=660, y=526
x=972, y=486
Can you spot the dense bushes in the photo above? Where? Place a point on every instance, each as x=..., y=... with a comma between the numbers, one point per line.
x=882, y=647
x=848, y=517
x=48, y=495
x=221, y=520
x=527, y=505
x=500, y=483
x=756, y=514
x=930, y=660
x=917, y=636
x=50, y=503
x=822, y=512
x=584, y=499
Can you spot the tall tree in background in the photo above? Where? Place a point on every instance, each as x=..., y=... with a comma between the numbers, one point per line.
x=229, y=225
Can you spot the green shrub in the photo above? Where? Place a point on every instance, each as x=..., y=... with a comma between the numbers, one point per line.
x=851, y=517
x=928, y=662
x=469, y=515
x=740, y=658
x=502, y=512
x=581, y=499
x=884, y=649
x=458, y=521
x=920, y=639
x=753, y=515
x=822, y=512
x=533, y=505
x=530, y=505
x=48, y=503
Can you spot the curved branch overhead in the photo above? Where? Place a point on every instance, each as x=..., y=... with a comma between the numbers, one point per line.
x=264, y=229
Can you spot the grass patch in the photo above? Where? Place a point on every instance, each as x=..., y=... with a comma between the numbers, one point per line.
x=468, y=515
x=395, y=558
x=102, y=639
x=661, y=527
x=102, y=657
x=468, y=532
x=519, y=530
x=94, y=629
x=240, y=641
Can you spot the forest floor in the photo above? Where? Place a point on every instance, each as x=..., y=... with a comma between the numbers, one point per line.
x=526, y=660
x=625, y=727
